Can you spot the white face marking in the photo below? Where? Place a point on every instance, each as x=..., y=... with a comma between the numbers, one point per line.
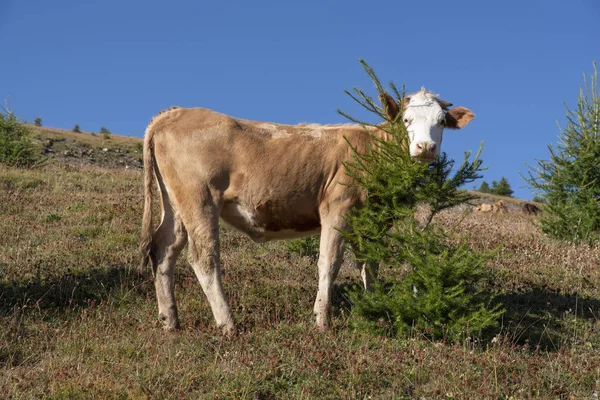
x=424, y=119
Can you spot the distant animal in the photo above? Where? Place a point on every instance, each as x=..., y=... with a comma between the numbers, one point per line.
x=270, y=181
x=483, y=208
x=497, y=207
x=530, y=209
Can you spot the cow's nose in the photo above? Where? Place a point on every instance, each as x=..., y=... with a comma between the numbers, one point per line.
x=426, y=148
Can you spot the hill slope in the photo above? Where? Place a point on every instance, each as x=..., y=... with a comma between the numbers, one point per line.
x=72, y=148
x=79, y=321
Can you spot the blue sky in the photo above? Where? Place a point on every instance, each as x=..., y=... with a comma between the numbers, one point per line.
x=116, y=63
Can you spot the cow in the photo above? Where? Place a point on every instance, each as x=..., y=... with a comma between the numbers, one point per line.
x=530, y=209
x=269, y=181
x=497, y=207
x=483, y=208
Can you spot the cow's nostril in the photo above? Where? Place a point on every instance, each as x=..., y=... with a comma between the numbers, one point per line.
x=432, y=147
x=420, y=146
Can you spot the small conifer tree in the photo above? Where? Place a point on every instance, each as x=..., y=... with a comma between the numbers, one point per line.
x=570, y=180
x=502, y=188
x=442, y=293
x=76, y=129
x=16, y=146
x=38, y=121
x=484, y=188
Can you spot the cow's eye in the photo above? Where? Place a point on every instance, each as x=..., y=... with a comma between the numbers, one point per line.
x=406, y=120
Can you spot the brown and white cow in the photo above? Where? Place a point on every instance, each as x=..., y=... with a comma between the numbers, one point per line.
x=270, y=181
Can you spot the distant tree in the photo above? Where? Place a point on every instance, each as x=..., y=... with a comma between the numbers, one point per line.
x=502, y=188
x=76, y=128
x=539, y=199
x=484, y=188
x=105, y=132
x=570, y=179
x=38, y=121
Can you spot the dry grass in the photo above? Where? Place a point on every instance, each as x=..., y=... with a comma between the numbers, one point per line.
x=78, y=321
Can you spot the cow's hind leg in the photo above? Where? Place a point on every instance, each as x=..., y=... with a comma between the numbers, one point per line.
x=167, y=242
x=331, y=251
x=204, y=255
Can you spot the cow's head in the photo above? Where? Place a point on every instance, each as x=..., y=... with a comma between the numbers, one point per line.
x=425, y=117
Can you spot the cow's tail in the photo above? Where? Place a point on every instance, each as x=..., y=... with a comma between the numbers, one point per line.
x=146, y=235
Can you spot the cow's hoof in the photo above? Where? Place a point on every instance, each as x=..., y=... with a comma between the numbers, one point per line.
x=229, y=330
x=169, y=324
x=323, y=324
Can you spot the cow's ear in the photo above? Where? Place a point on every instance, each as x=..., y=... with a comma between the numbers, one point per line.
x=390, y=105
x=444, y=104
x=458, y=117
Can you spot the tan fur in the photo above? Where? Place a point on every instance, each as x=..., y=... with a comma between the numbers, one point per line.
x=458, y=117
x=270, y=181
x=497, y=207
x=148, y=155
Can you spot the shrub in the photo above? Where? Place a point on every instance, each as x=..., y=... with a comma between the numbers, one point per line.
x=16, y=146
x=76, y=129
x=570, y=180
x=38, y=121
x=442, y=295
x=442, y=292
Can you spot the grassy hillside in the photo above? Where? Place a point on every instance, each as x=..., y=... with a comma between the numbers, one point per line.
x=84, y=148
x=78, y=320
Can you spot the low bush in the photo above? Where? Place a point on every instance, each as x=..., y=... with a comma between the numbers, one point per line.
x=16, y=146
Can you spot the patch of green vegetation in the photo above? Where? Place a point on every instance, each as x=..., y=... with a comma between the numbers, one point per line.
x=52, y=217
x=569, y=182
x=16, y=146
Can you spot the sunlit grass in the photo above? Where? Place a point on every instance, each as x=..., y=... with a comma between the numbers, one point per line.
x=78, y=320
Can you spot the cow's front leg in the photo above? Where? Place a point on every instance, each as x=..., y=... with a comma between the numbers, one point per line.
x=331, y=251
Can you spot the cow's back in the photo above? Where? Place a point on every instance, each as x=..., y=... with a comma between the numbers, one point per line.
x=273, y=178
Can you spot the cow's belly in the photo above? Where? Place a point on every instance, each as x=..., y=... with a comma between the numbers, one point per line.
x=270, y=221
